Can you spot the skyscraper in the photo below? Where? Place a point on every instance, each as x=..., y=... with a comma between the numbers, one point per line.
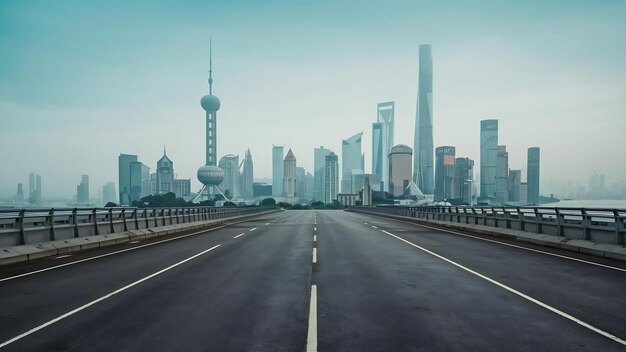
x=515, y=179
x=19, y=196
x=247, y=176
x=108, y=193
x=400, y=169
x=124, y=161
x=488, y=159
x=289, y=175
x=382, y=141
x=331, y=178
x=34, y=189
x=444, y=173
x=351, y=160
x=277, y=170
x=164, y=175
x=463, y=179
x=533, y=175
x=502, y=175
x=138, y=173
x=319, y=162
x=423, y=172
x=300, y=183
x=82, y=190
x=210, y=175
x=230, y=184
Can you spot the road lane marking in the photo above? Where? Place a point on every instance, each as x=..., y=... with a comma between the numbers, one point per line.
x=133, y=242
x=315, y=229
x=514, y=246
x=267, y=223
x=314, y=238
x=365, y=223
x=109, y=295
x=374, y=227
x=63, y=256
x=252, y=229
x=516, y=292
x=311, y=338
x=314, y=255
x=108, y=254
x=239, y=235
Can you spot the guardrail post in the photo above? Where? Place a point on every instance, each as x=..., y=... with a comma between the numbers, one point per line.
x=94, y=219
x=20, y=221
x=176, y=213
x=51, y=224
x=586, y=224
x=507, y=217
x=495, y=216
x=110, y=215
x=135, y=215
x=75, y=222
x=559, y=226
x=124, y=220
x=619, y=228
x=520, y=216
x=538, y=221
x=484, y=215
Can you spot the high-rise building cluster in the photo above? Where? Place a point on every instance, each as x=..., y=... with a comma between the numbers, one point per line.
x=136, y=181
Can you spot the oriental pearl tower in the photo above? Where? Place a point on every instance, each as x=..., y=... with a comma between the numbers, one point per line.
x=210, y=175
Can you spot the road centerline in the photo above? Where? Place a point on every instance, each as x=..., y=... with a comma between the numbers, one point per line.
x=311, y=340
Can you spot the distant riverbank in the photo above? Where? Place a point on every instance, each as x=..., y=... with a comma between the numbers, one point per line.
x=588, y=203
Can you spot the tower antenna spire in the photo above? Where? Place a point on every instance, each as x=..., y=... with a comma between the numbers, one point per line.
x=210, y=66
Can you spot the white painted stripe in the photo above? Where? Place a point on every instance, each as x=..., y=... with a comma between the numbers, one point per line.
x=311, y=338
x=315, y=229
x=374, y=227
x=108, y=254
x=109, y=295
x=239, y=235
x=252, y=229
x=63, y=256
x=314, y=238
x=516, y=292
x=267, y=223
x=514, y=246
x=314, y=255
x=365, y=223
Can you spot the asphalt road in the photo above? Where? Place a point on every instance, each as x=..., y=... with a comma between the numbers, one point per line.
x=314, y=280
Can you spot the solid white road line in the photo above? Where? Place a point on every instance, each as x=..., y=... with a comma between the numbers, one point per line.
x=239, y=235
x=516, y=292
x=314, y=255
x=108, y=254
x=74, y=311
x=252, y=229
x=514, y=246
x=311, y=339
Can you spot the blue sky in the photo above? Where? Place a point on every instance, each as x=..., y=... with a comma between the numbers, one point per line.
x=81, y=82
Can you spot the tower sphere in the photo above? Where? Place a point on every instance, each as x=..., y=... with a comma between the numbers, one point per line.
x=210, y=103
x=210, y=175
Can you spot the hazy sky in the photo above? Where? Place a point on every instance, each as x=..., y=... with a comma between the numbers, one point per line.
x=83, y=81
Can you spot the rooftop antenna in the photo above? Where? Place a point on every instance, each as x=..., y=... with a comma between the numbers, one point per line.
x=210, y=67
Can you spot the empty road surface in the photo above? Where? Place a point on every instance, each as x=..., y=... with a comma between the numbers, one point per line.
x=315, y=280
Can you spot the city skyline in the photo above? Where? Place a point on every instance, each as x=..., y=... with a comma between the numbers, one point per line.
x=528, y=66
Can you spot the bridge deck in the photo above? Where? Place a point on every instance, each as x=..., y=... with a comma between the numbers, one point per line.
x=379, y=284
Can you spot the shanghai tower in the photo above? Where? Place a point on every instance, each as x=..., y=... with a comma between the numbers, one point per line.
x=423, y=170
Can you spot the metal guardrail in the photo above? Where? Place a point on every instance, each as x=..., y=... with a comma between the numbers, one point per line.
x=601, y=225
x=28, y=226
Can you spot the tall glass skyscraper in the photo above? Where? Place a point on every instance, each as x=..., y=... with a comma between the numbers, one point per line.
x=247, y=176
x=277, y=170
x=423, y=170
x=533, y=175
x=331, y=179
x=444, y=177
x=351, y=161
x=382, y=141
x=488, y=159
x=319, y=162
x=502, y=175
